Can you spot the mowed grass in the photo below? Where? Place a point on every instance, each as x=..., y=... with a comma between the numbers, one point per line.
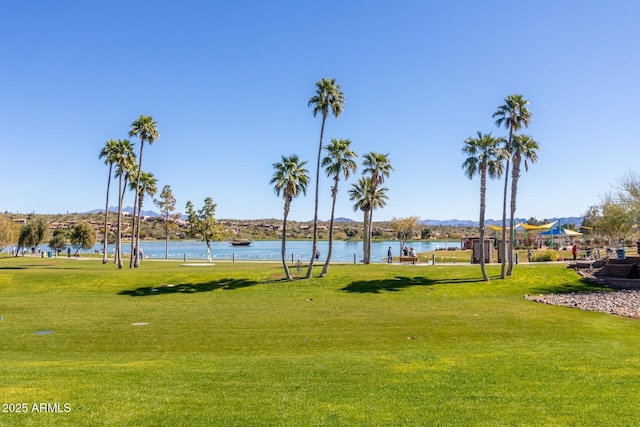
x=235, y=345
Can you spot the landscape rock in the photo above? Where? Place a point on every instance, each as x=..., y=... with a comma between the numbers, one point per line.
x=622, y=302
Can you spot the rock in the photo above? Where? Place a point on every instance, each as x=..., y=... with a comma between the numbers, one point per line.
x=622, y=303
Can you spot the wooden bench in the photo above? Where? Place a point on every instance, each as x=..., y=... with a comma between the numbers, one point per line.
x=409, y=259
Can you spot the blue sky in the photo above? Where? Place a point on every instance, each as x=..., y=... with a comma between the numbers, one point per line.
x=228, y=84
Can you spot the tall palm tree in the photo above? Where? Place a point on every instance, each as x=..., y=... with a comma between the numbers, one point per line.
x=328, y=98
x=523, y=147
x=485, y=157
x=360, y=194
x=290, y=178
x=148, y=185
x=146, y=130
x=513, y=115
x=338, y=161
x=125, y=161
x=378, y=166
x=109, y=153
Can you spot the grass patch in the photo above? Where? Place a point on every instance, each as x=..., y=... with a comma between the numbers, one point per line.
x=235, y=345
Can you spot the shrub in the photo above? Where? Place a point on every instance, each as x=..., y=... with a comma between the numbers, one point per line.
x=544, y=256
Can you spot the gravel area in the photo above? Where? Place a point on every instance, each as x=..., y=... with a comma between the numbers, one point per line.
x=622, y=303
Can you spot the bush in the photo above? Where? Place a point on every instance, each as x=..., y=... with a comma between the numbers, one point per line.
x=544, y=256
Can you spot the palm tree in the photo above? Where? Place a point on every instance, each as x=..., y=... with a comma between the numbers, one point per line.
x=513, y=115
x=367, y=199
x=125, y=161
x=484, y=158
x=108, y=152
x=379, y=167
x=360, y=194
x=147, y=185
x=338, y=161
x=378, y=200
x=146, y=130
x=328, y=97
x=290, y=178
x=523, y=147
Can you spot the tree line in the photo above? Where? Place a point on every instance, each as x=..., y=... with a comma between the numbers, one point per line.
x=614, y=219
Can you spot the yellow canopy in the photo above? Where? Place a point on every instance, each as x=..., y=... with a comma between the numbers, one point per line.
x=527, y=226
x=538, y=227
x=571, y=232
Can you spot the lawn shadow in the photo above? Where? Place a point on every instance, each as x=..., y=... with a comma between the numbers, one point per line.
x=582, y=286
x=189, y=288
x=398, y=283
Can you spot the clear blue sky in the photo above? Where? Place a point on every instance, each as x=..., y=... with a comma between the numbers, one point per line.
x=228, y=84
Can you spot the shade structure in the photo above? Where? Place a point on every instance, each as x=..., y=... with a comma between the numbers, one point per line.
x=527, y=226
x=561, y=232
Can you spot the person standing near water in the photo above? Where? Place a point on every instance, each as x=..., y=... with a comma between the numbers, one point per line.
x=389, y=256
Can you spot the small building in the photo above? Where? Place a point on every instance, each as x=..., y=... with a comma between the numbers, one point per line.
x=488, y=250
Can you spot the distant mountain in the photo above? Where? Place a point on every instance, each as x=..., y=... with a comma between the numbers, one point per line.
x=469, y=223
x=128, y=210
x=450, y=222
x=432, y=222
x=341, y=219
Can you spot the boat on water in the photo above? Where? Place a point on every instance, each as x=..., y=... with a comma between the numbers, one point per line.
x=241, y=242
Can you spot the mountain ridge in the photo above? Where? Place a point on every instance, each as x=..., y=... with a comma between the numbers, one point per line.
x=470, y=223
x=430, y=222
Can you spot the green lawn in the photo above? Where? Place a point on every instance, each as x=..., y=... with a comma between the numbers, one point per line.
x=235, y=345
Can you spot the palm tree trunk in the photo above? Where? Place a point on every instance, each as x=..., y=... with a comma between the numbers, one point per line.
x=334, y=192
x=136, y=262
x=503, y=244
x=369, y=237
x=287, y=273
x=315, y=214
x=136, y=222
x=483, y=192
x=515, y=175
x=106, y=217
x=118, y=258
x=133, y=228
x=365, y=238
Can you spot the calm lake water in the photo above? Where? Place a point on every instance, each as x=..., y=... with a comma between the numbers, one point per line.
x=270, y=249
